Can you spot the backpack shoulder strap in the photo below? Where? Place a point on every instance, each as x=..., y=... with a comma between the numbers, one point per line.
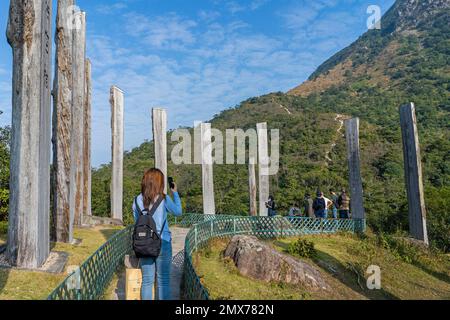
x=153, y=210
x=155, y=206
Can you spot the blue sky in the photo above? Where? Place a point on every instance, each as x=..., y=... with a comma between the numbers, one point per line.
x=198, y=57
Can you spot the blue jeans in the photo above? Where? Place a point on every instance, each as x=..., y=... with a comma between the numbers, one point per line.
x=320, y=214
x=335, y=213
x=344, y=214
x=163, y=265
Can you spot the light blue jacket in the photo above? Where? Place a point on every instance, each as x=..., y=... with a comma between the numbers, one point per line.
x=168, y=205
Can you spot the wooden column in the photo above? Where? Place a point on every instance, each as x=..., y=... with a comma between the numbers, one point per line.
x=77, y=138
x=252, y=189
x=62, y=126
x=263, y=171
x=28, y=33
x=413, y=173
x=355, y=181
x=117, y=108
x=87, y=174
x=159, y=117
x=207, y=169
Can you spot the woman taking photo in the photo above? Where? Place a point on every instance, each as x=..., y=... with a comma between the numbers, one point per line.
x=152, y=192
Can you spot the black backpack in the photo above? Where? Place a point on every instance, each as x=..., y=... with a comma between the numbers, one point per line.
x=146, y=240
x=319, y=204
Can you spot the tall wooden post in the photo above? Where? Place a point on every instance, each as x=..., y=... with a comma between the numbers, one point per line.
x=413, y=173
x=117, y=108
x=209, y=206
x=263, y=170
x=62, y=125
x=159, y=117
x=28, y=33
x=252, y=188
x=77, y=138
x=87, y=175
x=355, y=181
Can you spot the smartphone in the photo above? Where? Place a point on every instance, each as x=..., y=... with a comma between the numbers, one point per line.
x=171, y=184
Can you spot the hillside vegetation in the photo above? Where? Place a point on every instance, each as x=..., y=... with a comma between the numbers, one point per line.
x=407, y=60
x=342, y=260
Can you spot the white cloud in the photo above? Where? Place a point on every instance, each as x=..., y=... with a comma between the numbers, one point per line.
x=234, y=6
x=168, y=31
x=256, y=4
x=111, y=8
x=208, y=16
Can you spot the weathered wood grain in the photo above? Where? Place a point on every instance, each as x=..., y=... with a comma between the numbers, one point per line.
x=77, y=138
x=263, y=170
x=159, y=120
x=413, y=173
x=87, y=173
x=28, y=33
x=62, y=126
x=209, y=206
x=252, y=188
x=117, y=118
x=353, y=156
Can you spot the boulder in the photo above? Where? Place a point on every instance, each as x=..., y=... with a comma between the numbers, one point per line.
x=258, y=260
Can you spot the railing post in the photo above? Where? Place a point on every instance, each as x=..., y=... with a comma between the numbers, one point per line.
x=234, y=226
x=212, y=228
x=74, y=281
x=195, y=238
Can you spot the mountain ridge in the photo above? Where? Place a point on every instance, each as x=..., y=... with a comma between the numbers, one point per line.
x=404, y=18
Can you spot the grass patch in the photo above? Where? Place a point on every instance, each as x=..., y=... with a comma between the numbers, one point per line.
x=25, y=285
x=3, y=231
x=343, y=260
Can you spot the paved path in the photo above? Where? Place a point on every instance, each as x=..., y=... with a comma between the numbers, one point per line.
x=178, y=239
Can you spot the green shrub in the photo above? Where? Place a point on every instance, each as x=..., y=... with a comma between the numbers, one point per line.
x=302, y=248
x=400, y=247
x=3, y=227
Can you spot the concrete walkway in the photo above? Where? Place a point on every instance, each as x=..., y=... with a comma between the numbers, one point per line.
x=178, y=239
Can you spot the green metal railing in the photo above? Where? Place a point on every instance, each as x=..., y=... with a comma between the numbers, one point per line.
x=94, y=275
x=262, y=227
x=90, y=281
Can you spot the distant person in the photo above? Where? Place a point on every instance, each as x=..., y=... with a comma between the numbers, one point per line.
x=320, y=206
x=271, y=206
x=335, y=205
x=344, y=205
x=152, y=196
x=308, y=206
x=294, y=211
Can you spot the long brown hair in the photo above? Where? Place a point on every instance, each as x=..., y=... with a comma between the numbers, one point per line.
x=152, y=185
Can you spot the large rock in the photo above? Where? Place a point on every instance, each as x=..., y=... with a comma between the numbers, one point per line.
x=257, y=260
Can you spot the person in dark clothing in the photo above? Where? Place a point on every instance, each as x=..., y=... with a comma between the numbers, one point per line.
x=335, y=205
x=320, y=206
x=270, y=204
x=294, y=211
x=344, y=205
x=308, y=206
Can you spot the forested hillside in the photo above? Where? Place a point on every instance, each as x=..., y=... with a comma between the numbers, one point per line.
x=407, y=60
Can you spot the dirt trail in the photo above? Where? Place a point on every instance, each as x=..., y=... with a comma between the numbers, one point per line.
x=282, y=107
x=339, y=118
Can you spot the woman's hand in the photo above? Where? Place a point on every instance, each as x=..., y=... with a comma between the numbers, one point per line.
x=175, y=188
